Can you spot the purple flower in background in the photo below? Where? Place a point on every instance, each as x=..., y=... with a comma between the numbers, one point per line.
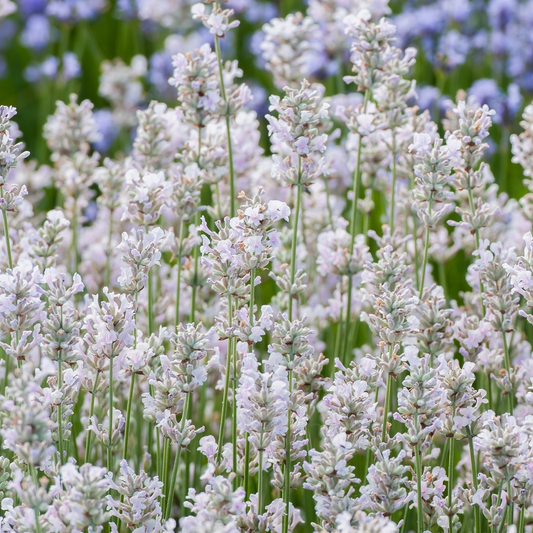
x=51, y=68
x=159, y=72
x=71, y=66
x=127, y=9
x=107, y=129
x=30, y=7
x=456, y=10
x=501, y=13
x=73, y=10
x=486, y=91
x=36, y=33
x=427, y=97
x=453, y=49
x=253, y=10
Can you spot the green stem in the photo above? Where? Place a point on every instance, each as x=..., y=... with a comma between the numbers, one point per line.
x=246, y=480
x=6, y=232
x=128, y=416
x=295, y=237
x=226, y=385
x=451, y=466
x=507, y=362
x=91, y=414
x=522, y=520
x=108, y=251
x=33, y=472
x=426, y=249
x=178, y=283
x=353, y=220
x=419, y=510
x=260, y=483
x=132, y=388
x=386, y=406
x=150, y=303
x=167, y=448
x=75, y=236
x=195, y=274
x=415, y=243
x=228, y=128
x=60, y=410
x=502, y=523
x=287, y=473
x=110, y=447
x=473, y=211
x=174, y=475
x=393, y=186
x=234, y=413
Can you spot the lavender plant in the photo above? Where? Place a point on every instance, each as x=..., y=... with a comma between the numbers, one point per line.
x=300, y=303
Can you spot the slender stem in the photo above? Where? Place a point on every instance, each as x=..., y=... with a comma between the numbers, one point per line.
x=393, y=185
x=75, y=236
x=228, y=128
x=510, y=504
x=128, y=416
x=473, y=211
x=132, y=388
x=426, y=249
x=387, y=404
x=91, y=414
x=489, y=391
x=287, y=473
x=195, y=274
x=107, y=277
x=507, y=362
x=424, y=264
x=502, y=523
x=415, y=243
x=445, y=453
x=260, y=483
x=226, y=385
x=522, y=520
x=246, y=480
x=353, y=219
x=150, y=303
x=7, y=361
x=167, y=448
x=174, y=475
x=178, y=283
x=110, y=447
x=6, y=232
x=473, y=463
x=234, y=413
x=295, y=238
x=33, y=472
x=419, y=510
x=451, y=466
x=60, y=410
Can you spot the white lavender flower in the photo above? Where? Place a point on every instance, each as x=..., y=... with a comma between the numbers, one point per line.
x=139, y=507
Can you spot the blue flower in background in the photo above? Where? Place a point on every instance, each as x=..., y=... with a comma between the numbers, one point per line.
x=37, y=32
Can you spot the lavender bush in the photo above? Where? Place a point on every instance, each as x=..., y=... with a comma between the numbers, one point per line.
x=227, y=313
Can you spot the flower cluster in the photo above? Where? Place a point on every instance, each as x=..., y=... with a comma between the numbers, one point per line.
x=224, y=310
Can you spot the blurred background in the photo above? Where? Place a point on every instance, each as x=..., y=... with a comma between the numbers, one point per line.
x=118, y=54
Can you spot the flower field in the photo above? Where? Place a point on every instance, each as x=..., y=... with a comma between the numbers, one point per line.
x=266, y=266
